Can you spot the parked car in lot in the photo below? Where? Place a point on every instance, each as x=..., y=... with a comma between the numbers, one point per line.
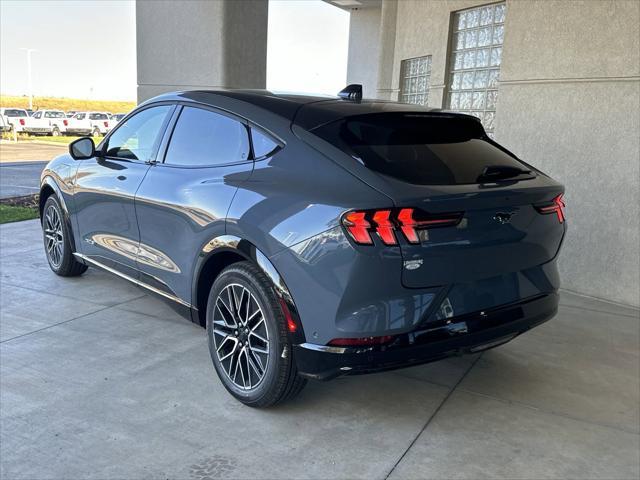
x=48, y=122
x=15, y=118
x=313, y=237
x=4, y=127
x=89, y=123
x=115, y=118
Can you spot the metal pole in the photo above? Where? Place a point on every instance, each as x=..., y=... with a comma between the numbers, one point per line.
x=29, y=84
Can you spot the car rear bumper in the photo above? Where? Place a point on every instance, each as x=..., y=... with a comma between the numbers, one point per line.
x=454, y=336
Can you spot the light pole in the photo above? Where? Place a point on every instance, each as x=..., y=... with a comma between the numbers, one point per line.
x=29, y=52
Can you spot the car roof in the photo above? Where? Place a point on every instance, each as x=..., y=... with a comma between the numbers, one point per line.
x=307, y=111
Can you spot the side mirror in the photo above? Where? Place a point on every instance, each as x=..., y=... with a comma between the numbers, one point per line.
x=82, y=148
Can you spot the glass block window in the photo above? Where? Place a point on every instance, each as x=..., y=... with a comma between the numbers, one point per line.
x=476, y=55
x=414, y=81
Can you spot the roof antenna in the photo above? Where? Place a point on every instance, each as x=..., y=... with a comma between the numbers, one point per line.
x=352, y=92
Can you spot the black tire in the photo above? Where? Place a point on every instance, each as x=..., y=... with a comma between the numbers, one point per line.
x=95, y=132
x=280, y=380
x=55, y=132
x=57, y=246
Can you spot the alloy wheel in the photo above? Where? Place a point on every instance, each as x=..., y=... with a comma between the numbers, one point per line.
x=54, y=235
x=241, y=336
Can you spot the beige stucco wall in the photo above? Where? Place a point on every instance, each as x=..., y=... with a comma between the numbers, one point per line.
x=569, y=103
x=192, y=44
x=364, y=28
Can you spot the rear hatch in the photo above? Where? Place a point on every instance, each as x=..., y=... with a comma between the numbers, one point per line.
x=467, y=210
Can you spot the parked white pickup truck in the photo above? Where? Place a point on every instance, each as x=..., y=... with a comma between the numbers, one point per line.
x=89, y=123
x=48, y=122
x=15, y=118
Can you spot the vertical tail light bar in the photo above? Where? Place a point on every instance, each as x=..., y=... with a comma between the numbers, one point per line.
x=358, y=227
x=106, y=124
x=22, y=121
x=556, y=206
x=361, y=224
x=65, y=122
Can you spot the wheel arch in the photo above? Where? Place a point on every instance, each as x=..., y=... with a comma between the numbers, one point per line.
x=48, y=187
x=225, y=250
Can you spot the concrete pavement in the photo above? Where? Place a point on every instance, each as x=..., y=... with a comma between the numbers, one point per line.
x=21, y=165
x=101, y=381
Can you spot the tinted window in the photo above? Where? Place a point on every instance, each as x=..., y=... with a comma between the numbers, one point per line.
x=418, y=149
x=11, y=112
x=262, y=144
x=98, y=116
x=79, y=116
x=138, y=137
x=37, y=115
x=202, y=137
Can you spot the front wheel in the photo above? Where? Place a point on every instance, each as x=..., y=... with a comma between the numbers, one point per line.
x=248, y=339
x=57, y=244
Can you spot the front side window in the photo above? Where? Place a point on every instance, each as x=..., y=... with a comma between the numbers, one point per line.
x=415, y=80
x=205, y=138
x=476, y=56
x=37, y=115
x=138, y=137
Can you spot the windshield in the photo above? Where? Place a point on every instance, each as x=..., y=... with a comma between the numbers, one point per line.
x=419, y=148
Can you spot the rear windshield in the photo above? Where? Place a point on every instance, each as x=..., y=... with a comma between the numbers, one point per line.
x=98, y=116
x=11, y=112
x=53, y=114
x=417, y=148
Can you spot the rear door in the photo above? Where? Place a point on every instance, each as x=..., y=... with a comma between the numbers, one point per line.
x=183, y=201
x=106, y=185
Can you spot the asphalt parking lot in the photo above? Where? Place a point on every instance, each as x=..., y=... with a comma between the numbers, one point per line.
x=21, y=164
x=101, y=381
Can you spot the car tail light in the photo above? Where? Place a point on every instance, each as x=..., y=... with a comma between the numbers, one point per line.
x=358, y=227
x=22, y=122
x=362, y=223
x=65, y=122
x=556, y=206
x=106, y=124
x=361, y=342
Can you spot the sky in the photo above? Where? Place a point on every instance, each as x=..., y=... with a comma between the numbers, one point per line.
x=86, y=48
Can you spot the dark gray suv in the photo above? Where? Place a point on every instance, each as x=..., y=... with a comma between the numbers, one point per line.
x=312, y=236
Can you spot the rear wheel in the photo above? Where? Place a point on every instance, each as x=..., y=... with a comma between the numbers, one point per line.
x=55, y=132
x=95, y=132
x=57, y=243
x=248, y=339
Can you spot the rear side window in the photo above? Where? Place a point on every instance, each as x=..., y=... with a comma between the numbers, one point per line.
x=262, y=144
x=205, y=138
x=53, y=114
x=79, y=116
x=417, y=148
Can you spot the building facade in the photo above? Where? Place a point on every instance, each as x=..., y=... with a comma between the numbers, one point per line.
x=555, y=81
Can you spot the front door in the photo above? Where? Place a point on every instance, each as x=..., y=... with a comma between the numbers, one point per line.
x=106, y=185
